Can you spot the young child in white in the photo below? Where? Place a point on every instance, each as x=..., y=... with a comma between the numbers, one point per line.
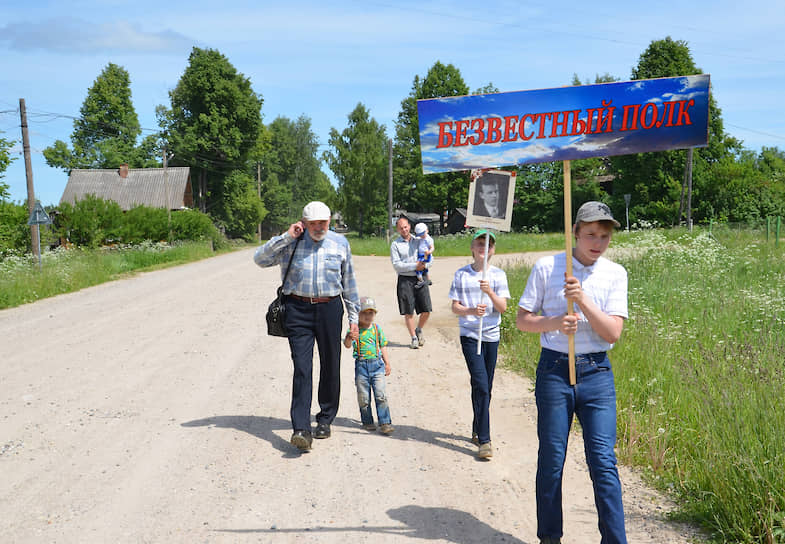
x=371, y=365
x=424, y=253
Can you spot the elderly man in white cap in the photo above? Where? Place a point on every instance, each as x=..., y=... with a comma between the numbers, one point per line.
x=321, y=275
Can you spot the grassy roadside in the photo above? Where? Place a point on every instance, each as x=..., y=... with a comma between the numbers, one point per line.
x=64, y=271
x=457, y=245
x=700, y=375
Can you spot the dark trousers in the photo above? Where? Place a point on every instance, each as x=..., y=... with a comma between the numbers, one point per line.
x=481, y=370
x=320, y=322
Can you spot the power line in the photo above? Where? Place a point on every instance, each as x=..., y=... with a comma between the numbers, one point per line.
x=770, y=135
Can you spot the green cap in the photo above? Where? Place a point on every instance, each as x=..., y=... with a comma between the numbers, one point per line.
x=483, y=232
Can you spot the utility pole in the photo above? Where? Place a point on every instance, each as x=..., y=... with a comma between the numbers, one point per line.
x=389, y=190
x=166, y=188
x=35, y=234
x=259, y=194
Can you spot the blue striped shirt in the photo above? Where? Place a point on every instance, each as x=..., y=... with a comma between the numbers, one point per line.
x=403, y=254
x=319, y=269
x=465, y=288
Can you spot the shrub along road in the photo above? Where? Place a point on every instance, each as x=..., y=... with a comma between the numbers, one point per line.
x=156, y=409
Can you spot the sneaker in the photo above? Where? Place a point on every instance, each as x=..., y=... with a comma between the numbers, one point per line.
x=369, y=427
x=420, y=336
x=301, y=440
x=386, y=428
x=415, y=344
x=475, y=439
x=485, y=451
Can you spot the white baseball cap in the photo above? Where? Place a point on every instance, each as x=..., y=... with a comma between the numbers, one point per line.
x=316, y=211
x=420, y=228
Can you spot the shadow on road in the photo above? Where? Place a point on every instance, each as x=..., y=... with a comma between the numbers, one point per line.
x=266, y=428
x=418, y=522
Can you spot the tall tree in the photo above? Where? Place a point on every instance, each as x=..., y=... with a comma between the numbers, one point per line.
x=359, y=162
x=655, y=179
x=294, y=161
x=604, y=78
x=239, y=208
x=106, y=132
x=5, y=160
x=213, y=122
x=437, y=193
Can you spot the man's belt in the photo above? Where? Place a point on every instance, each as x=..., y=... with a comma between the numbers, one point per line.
x=312, y=300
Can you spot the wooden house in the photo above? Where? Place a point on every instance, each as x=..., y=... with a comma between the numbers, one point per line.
x=131, y=187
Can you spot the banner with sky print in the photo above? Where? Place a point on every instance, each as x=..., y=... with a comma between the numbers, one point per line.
x=566, y=123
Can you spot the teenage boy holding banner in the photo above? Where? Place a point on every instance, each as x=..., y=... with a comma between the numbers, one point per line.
x=598, y=287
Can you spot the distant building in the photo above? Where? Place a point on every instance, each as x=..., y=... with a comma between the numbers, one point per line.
x=456, y=222
x=431, y=220
x=131, y=187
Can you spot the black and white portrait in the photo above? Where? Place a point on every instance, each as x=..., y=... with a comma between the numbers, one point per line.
x=490, y=200
x=490, y=197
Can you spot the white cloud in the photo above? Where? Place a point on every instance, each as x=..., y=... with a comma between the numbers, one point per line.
x=78, y=36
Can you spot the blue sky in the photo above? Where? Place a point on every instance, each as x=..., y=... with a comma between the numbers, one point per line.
x=322, y=58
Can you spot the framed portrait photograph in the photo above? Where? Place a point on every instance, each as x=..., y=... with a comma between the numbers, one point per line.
x=490, y=199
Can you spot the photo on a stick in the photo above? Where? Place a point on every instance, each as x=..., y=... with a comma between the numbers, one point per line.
x=490, y=199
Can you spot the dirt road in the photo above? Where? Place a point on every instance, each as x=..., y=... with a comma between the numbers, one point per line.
x=156, y=409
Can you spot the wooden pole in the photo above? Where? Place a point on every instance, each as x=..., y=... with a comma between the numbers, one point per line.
x=34, y=232
x=484, y=277
x=568, y=259
x=689, y=189
x=168, y=202
x=389, y=189
x=259, y=195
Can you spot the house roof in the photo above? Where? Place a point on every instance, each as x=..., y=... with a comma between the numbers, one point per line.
x=421, y=217
x=141, y=186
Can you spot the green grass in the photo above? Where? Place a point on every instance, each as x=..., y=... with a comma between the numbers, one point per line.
x=457, y=245
x=64, y=271
x=700, y=375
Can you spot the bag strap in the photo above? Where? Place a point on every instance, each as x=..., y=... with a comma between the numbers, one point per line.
x=378, y=347
x=288, y=266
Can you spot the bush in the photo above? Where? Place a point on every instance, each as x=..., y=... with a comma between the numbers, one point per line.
x=195, y=225
x=91, y=222
x=142, y=223
x=14, y=232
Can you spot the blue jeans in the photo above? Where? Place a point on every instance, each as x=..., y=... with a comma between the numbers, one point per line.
x=593, y=401
x=369, y=375
x=481, y=369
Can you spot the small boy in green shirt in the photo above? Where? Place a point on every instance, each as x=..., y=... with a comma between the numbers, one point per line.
x=371, y=365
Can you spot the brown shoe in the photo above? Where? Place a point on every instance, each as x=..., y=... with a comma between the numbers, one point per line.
x=369, y=427
x=302, y=440
x=386, y=428
x=485, y=451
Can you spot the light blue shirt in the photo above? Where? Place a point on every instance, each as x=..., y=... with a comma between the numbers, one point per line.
x=465, y=288
x=403, y=255
x=319, y=269
x=604, y=281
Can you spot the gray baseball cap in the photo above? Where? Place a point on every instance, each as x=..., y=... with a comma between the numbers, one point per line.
x=595, y=211
x=367, y=303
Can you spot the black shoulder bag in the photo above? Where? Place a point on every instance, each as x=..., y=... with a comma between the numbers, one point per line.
x=276, y=313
